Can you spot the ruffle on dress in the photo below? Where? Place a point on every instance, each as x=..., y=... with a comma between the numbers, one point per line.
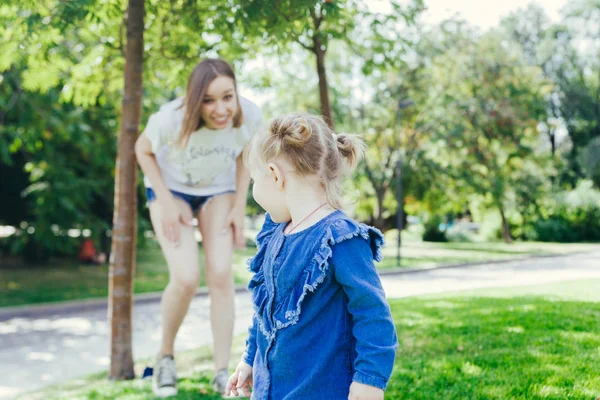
x=287, y=312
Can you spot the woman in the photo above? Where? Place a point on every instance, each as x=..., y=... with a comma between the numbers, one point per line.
x=190, y=153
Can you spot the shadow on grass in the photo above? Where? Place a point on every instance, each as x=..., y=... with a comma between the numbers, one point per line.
x=188, y=388
x=489, y=348
x=194, y=374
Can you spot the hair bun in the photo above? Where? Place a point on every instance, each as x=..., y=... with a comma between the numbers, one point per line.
x=293, y=130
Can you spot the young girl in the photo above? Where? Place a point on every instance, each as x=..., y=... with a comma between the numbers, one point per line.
x=190, y=153
x=322, y=328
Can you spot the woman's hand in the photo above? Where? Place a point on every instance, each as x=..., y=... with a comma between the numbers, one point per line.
x=235, y=221
x=173, y=214
x=359, y=391
x=240, y=379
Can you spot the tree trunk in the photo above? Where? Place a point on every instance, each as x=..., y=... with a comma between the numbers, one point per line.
x=323, y=86
x=505, y=229
x=379, y=221
x=122, y=264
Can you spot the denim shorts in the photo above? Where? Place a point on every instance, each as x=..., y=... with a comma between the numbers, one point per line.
x=195, y=202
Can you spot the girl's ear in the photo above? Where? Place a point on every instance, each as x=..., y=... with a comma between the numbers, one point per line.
x=276, y=175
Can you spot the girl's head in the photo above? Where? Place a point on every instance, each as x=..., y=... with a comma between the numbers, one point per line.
x=211, y=99
x=300, y=146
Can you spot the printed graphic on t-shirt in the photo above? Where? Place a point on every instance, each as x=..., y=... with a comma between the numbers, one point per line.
x=202, y=165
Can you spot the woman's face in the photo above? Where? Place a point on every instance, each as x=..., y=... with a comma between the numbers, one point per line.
x=220, y=103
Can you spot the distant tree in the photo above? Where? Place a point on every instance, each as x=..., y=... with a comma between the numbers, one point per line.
x=569, y=55
x=487, y=106
x=314, y=24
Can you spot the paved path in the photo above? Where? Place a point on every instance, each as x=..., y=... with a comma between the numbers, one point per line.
x=534, y=271
x=39, y=350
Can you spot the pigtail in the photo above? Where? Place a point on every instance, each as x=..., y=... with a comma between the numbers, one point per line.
x=351, y=148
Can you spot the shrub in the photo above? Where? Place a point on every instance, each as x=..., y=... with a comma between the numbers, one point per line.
x=554, y=229
x=574, y=217
x=432, y=232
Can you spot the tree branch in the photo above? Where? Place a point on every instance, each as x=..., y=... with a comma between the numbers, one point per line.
x=293, y=34
x=284, y=15
x=317, y=19
x=312, y=49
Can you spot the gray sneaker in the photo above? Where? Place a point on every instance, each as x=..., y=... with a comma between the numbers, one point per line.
x=164, y=378
x=219, y=382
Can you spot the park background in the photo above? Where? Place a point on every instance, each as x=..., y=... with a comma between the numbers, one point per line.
x=484, y=126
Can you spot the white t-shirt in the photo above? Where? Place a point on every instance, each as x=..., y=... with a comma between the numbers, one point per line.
x=207, y=165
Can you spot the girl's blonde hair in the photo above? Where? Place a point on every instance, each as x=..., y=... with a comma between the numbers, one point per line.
x=312, y=148
x=201, y=77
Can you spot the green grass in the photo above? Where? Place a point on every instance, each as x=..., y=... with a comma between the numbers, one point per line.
x=511, y=346
x=532, y=342
x=194, y=369
x=419, y=254
x=582, y=290
x=24, y=284
x=71, y=281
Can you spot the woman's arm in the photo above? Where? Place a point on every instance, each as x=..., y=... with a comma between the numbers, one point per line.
x=238, y=212
x=242, y=183
x=148, y=164
x=170, y=212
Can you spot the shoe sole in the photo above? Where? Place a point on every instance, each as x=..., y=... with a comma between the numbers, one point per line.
x=166, y=391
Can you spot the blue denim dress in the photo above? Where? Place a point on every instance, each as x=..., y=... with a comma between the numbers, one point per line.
x=321, y=318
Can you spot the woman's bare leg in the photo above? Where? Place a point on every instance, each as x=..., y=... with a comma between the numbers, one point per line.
x=217, y=241
x=184, y=275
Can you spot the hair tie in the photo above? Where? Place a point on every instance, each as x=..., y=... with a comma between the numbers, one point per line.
x=335, y=137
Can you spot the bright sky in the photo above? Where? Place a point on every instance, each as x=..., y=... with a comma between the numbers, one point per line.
x=484, y=13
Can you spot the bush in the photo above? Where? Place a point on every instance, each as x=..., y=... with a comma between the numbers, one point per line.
x=574, y=218
x=432, y=232
x=553, y=229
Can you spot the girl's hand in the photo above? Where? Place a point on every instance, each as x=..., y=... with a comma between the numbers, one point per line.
x=359, y=391
x=173, y=214
x=235, y=220
x=240, y=379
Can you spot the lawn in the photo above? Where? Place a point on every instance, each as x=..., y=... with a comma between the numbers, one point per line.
x=21, y=285
x=419, y=254
x=194, y=370
x=71, y=281
x=520, y=347
x=537, y=342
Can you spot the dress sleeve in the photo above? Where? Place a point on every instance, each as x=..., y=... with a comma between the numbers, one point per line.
x=374, y=331
x=251, y=346
x=256, y=284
